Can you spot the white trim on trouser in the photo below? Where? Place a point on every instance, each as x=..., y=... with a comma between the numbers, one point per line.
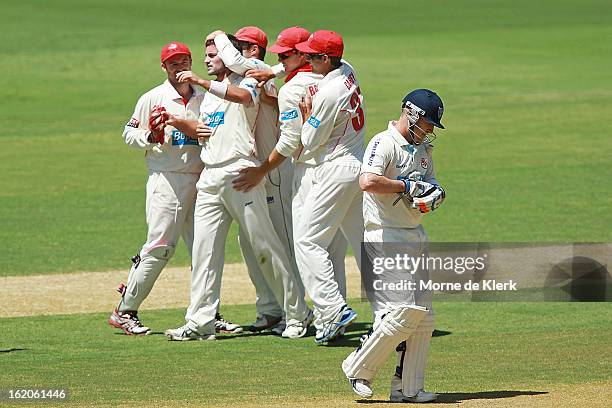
x=169, y=212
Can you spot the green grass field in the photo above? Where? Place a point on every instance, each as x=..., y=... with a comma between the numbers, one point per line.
x=473, y=352
x=525, y=157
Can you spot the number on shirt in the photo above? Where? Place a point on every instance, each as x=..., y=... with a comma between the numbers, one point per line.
x=359, y=120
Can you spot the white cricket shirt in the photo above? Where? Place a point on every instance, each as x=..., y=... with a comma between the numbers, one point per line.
x=290, y=116
x=266, y=128
x=335, y=130
x=178, y=153
x=389, y=154
x=232, y=125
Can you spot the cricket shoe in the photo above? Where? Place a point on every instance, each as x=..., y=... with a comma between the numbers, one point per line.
x=184, y=333
x=330, y=331
x=128, y=322
x=225, y=326
x=279, y=328
x=296, y=328
x=361, y=387
x=265, y=322
x=398, y=396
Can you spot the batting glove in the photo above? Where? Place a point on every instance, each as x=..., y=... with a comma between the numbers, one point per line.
x=429, y=201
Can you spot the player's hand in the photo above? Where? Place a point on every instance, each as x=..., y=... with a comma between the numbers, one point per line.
x=203, y=132
x=429, y=201
x=212, y=35
x=261, y=75
x=248, y=178
x=306, y=108
x=157, y=123
x=188, y=76
x=417, y=188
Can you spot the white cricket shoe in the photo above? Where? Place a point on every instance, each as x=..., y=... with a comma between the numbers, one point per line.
x=225, y=326
x=363, y=388
x=129, y=323
x=279, y=328
x=296, y=329
x=265, y=322
x=397, y=395
x=184, y=333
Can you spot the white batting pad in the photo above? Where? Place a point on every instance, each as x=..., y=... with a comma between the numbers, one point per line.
x=394, y=328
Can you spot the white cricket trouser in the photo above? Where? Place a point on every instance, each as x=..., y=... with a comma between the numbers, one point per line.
x=169, y=210
x=412, y=359
x=333, y=203
x=217, y=204
x=278, y=185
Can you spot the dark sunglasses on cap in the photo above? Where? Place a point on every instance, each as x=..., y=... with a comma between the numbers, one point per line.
x=313, y=56
x=284, y=56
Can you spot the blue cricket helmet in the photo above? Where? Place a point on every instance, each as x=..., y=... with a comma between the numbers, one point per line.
x=427, y=103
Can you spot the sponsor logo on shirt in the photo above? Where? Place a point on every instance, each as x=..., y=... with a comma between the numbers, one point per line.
x=133, y=123
x=424, y=162
x=373, y=154
x=252, y=89
x=270, y=199
x=288, y=115
x=180, y=139
x=215, y=119
x=314, y=122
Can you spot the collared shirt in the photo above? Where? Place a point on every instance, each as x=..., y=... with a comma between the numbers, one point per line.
x=335, y=130
x=390, y=155
x=178, y=153
x=291, y=94
x=266, y=128
x=233, y=125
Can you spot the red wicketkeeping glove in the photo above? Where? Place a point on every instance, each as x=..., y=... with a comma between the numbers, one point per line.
x=157, y=124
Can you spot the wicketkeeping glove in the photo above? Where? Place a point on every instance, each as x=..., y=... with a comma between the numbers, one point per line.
x=430, y=200
x=157, y=125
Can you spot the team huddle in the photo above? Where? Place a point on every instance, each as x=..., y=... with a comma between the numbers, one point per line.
x=290, y=167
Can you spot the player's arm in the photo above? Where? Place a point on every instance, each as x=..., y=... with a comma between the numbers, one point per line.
x=289, y=140
x=268, y=94
x=137, y=132
x=245, y=95
x=231, y=57
x=320, y=116
x=376, y=159
x=375, y=183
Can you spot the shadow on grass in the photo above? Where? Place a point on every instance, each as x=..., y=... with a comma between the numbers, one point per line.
x=456, y=397
x=350, y=339
x=11, y=350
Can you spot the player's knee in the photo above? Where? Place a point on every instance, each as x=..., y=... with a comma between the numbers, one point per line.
x=161, y=252
x=403, y=320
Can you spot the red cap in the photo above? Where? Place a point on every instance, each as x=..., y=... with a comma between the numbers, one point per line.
x=288, y=38
x=253, y=35
x=174, y=48
x=323, y=42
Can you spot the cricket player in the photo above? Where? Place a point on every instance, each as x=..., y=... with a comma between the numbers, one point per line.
x=332, y=136
x=174, y=165
x=253, y=43
x=399, y=184
x=300, y=83
x=225, y=130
